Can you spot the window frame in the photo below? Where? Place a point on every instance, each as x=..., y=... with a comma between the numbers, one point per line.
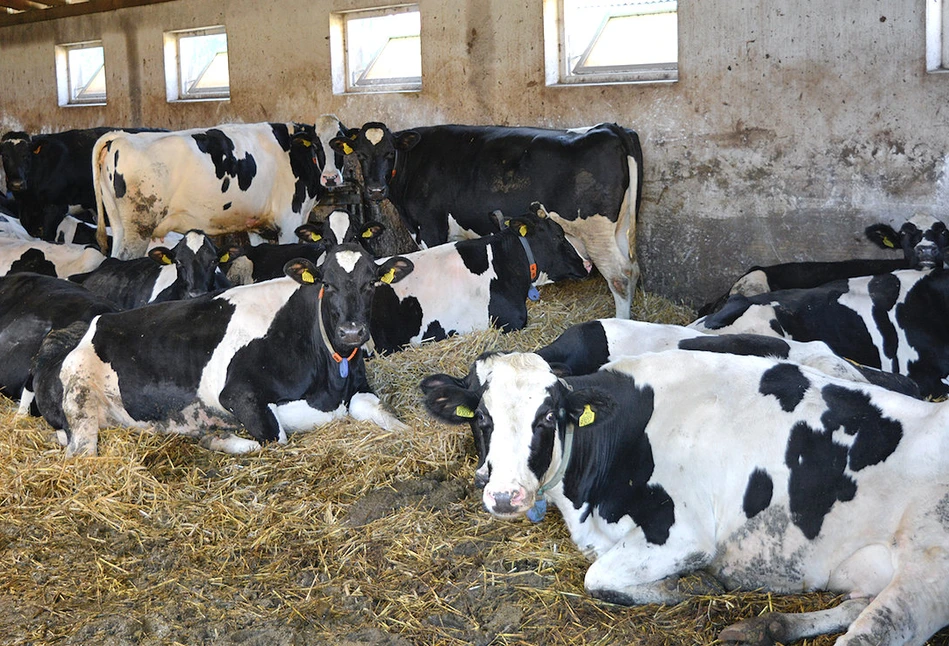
x=340, y=62
x=65, y=75
x=937, y=43
x=556, y=72
x=174, y=91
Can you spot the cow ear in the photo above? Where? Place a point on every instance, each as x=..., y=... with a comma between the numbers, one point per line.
x=560, y=369
x=162, y=255
x=433, y=382
x=451, y=404
x=342, y=145
x=395, y=269
x=522, y=226
x=372, y=229
x=303, y=271
x=584, y=407
x=539, y=210
x=406, y=140
x=883, y=235
x=309, y=232
x=230, y=254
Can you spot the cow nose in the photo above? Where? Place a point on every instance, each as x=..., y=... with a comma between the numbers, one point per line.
x=502, y=503
x=352, y=333
x=377, y=194
x=481, y=479
x=17, y=184
x=330, y=180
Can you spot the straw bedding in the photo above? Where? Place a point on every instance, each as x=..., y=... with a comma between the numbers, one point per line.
x=346, y=535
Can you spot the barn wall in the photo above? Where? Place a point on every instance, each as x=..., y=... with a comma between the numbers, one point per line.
x=790, y=129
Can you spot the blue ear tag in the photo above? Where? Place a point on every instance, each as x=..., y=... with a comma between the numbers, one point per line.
x=533, y=294
x=344, y=368
x=536, y=513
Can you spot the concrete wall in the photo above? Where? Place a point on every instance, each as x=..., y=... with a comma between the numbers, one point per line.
x=790, y=129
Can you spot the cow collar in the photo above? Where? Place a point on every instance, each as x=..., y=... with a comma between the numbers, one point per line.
x=536, y=513
x=337, y=357
x=532, y=293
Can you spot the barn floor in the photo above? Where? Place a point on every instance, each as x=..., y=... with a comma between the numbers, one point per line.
x=349, y=535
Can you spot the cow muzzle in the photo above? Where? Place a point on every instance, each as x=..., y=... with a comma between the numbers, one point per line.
x=928, y=256
x=352, y=334
x=331, y=180
x=17, y=184
x=507, y=504
x=377, y=194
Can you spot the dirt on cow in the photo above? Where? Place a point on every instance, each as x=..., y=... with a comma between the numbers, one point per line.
x=346, y=535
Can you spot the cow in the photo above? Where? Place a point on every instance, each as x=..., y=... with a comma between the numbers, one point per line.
x=445, y=180
x=81, y=228
x=43, y=257
x=923, y=240
x=274, y=358
x=49, y=173
x=263, y=178
x=185, y=271
x=753, y=473
x=30, y=306
x=471, y=285
x=892, y=321
x=586, y=347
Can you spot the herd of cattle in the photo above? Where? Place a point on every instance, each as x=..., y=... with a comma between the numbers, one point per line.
x=791, y=438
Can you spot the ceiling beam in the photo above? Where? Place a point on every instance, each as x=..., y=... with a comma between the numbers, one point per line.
x=68, y=10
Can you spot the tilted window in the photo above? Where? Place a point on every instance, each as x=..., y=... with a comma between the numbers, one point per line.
x=378, y=50
x=196, y=65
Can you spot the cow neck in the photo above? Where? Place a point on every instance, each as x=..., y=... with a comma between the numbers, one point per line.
x=341, y=361
x=532, y=293
x=536, y=513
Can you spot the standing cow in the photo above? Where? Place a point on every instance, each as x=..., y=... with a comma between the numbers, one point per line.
x=274, y=358
x=446, y=180
x=757, y=472
x=262, y=178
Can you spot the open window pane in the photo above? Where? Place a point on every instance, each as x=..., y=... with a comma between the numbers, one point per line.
x=196, y=64
x=381, y=49
x=80, y=73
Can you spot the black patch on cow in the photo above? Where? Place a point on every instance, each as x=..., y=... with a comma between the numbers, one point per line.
x=875, y=436
x=776, y=326
x=744, y=344
x=618, y=460
x=226, y=184
x=734, y=307
x=475, y=258
x=817, y=479
x=787, y=383
x=118, y=183
x=226, y=206
x=758, y=493
x=583, y=348
x=884, y=291
x=282, y=135
x=34, y=261
x=392, y=322
x=436, y=332
x=220, y=148
x=922, y=316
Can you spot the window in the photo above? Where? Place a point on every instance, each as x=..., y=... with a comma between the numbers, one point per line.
x=937, y=45
x=80, y=73
x=377, y=51
x=610, y=41
x=196, y=65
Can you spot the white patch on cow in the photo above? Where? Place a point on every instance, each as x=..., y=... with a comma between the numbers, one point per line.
x=751, y=284
x=68, y=259
x=26, y=400
x=374, y=135
x=10, y=227
x=327, y=127
x=194, y=241
x=339, y=223
x=347, y=260
x=167, y=275
x=298, y=416
x=229, y=443
x=457, y=232
x=368, y=407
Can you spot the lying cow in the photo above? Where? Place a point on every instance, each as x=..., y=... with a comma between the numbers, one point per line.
x=892, y=321
x=188, y=270
x=445, y=180
x=471, y=285
x=262, y=177
x=586, y=347
x=923, y=240
x=47, y=258
x=275, y=357
x=760, y=473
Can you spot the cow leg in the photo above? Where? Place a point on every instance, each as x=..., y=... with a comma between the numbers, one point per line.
x=779, y=627
x=228, y=443
x=367, y=407
x=254, y=415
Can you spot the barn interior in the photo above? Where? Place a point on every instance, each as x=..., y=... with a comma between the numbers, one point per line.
x=781, y=132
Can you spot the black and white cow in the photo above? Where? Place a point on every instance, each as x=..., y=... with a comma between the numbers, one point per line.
x=49, y=173
x=759, y=473
x=30, y=306
x=586, y=347
x=185, y=271
x=471, y=285
x=923, y=240
x=11, y=228
x=262, y=178
x=274, y=358
x=48, y=258
x=446, y=180
x=893, y=321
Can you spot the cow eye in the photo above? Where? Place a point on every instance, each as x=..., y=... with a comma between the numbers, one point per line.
x=550, y=419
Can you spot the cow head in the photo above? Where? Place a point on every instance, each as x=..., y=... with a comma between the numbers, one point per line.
x=923, y=240
x=327, y=127
x=520, y=413
x=555, y=257
x=375, y=147
x=17, y=153
x=346, y=281
x=196, y=264
x=339, y=228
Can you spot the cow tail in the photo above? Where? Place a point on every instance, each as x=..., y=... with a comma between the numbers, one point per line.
x=99, y=175
x=630, y=140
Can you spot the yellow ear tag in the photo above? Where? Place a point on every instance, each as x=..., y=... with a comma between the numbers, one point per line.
x=225, y=258
x=388, y=277
x=347, y=149
x=307, y=277
x=523, y=230
x=166, y=259
x=307, y=142
x=315, y=237
x=463, y=411
x=889, y=243
x=38, y=149
x=587, y=417
x=367, y=233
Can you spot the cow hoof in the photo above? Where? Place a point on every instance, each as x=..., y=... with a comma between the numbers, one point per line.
x=765, y=630
x=228, y=443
